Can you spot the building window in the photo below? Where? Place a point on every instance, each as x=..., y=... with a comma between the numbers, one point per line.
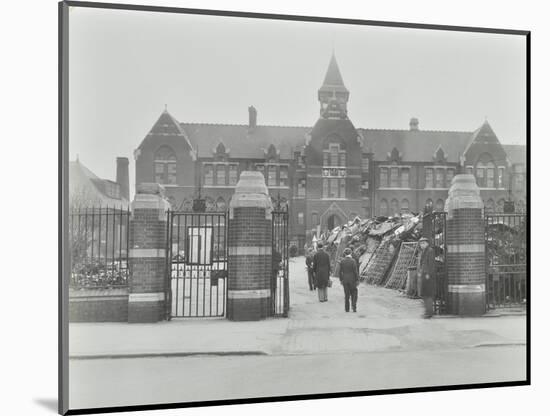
x=208, y=174
x=405, y=205
x=233, y=174
x=165, y=166
x=342, y=159
x=383, y=177
x=394, y=177
x=384, y=208
x=300, y=218
x=220, y=175
x=429, y=177
x=283, y=176
x=394, y=207
x=314, y=219
x=500, y=205
x=429, y=205
x=501, y=178
x=334, y=155
x=490, y=178
x=490, y=206
x=405, y=178
x=301, y=188
x=365, y=163
x=450, y=176
x=334, y=188
x=439, y=178
x=271, y=175
x=220, y=204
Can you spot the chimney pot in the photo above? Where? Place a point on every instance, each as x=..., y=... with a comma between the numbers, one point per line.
x=413, y=124
x=252, y=117
x=123, y=177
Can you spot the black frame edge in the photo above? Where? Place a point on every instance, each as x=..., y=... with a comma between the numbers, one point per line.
x=63, y=163
x=273, y=16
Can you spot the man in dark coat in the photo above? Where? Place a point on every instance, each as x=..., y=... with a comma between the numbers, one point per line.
x=426, y=276
x=349, y=277
x=321, y=272
x=309, y=264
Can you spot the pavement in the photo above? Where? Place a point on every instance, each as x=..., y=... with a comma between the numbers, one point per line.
x=386, y=321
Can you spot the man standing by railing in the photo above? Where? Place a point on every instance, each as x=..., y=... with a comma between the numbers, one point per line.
x=426, y=276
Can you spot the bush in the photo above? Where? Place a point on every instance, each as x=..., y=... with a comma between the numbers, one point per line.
x=293, y=250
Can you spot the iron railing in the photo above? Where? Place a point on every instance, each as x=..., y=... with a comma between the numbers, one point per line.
x=196, y=278
x=506, y=260
x=99, y=247
x=434, y=228
x=280, y=296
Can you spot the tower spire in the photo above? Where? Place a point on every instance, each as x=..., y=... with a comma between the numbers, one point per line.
x=333, y=94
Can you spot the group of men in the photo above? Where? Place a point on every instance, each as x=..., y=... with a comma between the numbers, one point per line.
x=347, y=270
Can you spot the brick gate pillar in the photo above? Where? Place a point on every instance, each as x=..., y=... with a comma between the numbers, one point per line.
x=465, y=247
x=147, y=254
x=249, y=250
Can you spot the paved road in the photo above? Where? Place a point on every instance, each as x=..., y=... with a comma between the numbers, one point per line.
x=166, y=380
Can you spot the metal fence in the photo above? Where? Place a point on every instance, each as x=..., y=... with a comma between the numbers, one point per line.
x=434, y=228
x=196, y=278
x=99, y=247
x=506, y=260
x=280, y=296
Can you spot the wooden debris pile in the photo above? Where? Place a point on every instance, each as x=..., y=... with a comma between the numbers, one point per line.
x=384, y=247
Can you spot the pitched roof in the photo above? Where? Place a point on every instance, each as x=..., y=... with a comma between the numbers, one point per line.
x=333, y=78
x=415, y=145
x=95, y=190
x=517, y=153
x=244, y=142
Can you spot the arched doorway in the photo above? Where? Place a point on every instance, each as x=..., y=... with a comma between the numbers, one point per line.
x=333, y=221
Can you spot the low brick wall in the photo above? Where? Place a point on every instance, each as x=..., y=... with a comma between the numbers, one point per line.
x=98, y=305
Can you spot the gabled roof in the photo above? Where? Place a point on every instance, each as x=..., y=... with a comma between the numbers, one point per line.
x=333, y=78
x=243, y=141
x=415, y=145
x=94, y=190
x=167, y=125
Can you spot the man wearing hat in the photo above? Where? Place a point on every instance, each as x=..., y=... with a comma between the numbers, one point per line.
x=321, y=272
x=349, y=277
x=426, y=276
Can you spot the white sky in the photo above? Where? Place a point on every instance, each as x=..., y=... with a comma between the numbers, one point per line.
x=126, y=65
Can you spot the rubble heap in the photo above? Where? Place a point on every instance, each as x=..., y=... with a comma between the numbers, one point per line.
x=384, y=247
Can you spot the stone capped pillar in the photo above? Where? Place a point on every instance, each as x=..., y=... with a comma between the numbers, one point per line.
x=465, y=247
x=148, y=223
x=249, y=250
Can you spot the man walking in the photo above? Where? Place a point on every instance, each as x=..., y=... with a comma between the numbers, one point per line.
x=321, y=272
x=309, y=264
x=349, y=277
x=426, y=276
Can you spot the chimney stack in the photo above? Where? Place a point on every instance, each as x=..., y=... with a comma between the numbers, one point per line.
x=252, y=117
x=122, y=177
x=413, y=124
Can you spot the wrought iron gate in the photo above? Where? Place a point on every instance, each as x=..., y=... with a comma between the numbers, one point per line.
x=280, y=251
x=196, y=270
x=434, y=228
x=506, y=259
